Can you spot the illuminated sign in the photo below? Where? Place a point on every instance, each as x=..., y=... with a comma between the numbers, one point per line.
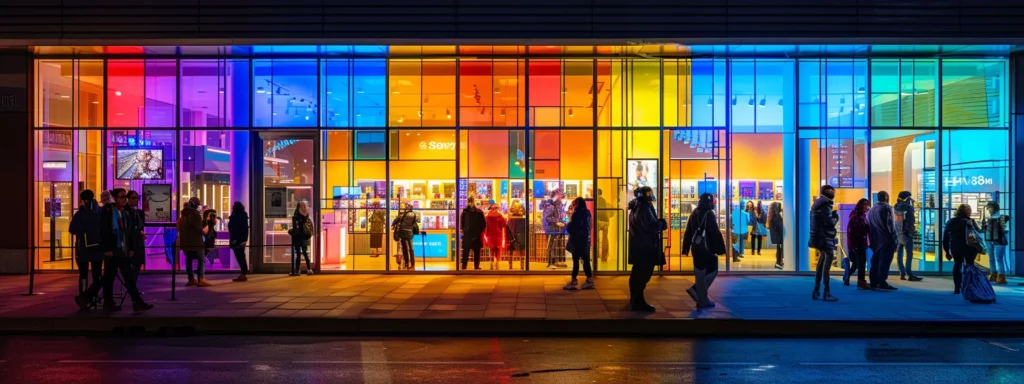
x=439, y=145
x=973, y=180
x=433, y=245
x=55, y=165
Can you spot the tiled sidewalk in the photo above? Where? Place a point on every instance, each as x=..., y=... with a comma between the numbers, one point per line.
x=512, y=297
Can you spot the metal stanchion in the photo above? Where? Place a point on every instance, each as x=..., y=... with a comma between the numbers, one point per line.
x=423, y=249
x=174, y=272
x=32, y=274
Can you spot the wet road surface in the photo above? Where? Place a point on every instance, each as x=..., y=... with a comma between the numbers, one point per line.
x=276, y=359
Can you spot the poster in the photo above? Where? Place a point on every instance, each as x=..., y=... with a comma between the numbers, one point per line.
x=275, y=203
x=156, y=202
x=642, y=173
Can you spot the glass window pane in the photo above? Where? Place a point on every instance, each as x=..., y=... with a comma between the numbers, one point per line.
x=285, y=93
x=972, y=93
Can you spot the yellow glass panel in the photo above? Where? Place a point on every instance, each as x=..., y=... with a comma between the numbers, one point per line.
x=369, y=170
x=337, y=175
x=405, y=79
x=609, y=153
x=422, y=170
x=438, y=93
x=643, y=144
x=645, y=101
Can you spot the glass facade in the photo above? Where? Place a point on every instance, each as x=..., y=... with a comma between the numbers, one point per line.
x=358, y=132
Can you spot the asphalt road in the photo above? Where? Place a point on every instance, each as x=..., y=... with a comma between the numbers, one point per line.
x=277, y=360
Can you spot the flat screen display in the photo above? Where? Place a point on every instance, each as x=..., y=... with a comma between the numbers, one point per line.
x=140, y=164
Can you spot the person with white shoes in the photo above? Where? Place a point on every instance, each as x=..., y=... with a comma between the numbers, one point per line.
x=579, y=229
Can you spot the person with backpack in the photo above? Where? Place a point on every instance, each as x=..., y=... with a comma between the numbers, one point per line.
x=301, y=233
x=403, y=229
x=579, y=229
x=962, y=243
x=85, y=226
x=857, y=232
x=823, y=237
x=883, y=240
x=905, y=222
x=705, y=240
x=238, y=231
x=190, y=240
x=473, y=225
x=996, y=241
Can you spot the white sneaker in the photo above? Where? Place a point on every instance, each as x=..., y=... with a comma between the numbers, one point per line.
x=589, y=284
x=571, y=286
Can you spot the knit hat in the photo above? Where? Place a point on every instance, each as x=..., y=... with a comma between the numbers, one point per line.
x=904, y=195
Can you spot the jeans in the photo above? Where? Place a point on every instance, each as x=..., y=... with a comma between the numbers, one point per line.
x=300, y=251
x=197, y=257
x=905, y=270
x=476, y=257
x=958, y=269
x=84, y=261
x=858, y=263
x=824, y=265
x=243, y=266
x=639, y=276
x=739, y=244
x=779, y=254
x=581, y=256
x=118, y=263
x=408, y=254
x=998, y=260
x=556, y=248
x=881, y=262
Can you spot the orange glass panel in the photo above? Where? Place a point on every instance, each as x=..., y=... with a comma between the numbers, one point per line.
x=545, y=92
x=338, y=144
x=476, y=95
x=577, y=154
x=545, y=144
x=578, y=94
x=488, y=154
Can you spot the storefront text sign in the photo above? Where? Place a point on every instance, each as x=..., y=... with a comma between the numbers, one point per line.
x=973, y=180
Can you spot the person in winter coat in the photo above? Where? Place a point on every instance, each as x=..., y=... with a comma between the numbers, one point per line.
x=777, y=230
x=645, y=229
x=823, y=220
x=857, y=232
x=494, y=235
x=301, y=232
x=996, y=241
x=758, y=218
x=552, y=214
x=958, y=246
x=85, y=226
x=238, y=231
x=116, y=244
x=138, y=232
x=703, y=223
x=905, y=224
x=190, y=240
x=473, y=225
x=405, y=227
x=579, y=229
x=210, y=234
x=883, y=242
x=378, y=219
x=740, y=228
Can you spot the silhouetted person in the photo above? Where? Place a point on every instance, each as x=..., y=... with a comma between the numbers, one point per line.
x=883, y=242
x=823, y=220
x=703, y=240
x=645, y=230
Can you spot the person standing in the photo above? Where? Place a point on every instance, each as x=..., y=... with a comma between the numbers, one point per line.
x=404, y=228
x=552, y=213
x=210, y=234
x=645, y=229
x=238, y=232
x=138, y=230
x=579, y=229
x=857, y=232
x=604, y=219
x=777, y=230
x=494, y=235
x=823, y=220
x=517, y=225
x=301, y=232
x=996, y=241
x=905, y=222
x=473, y=225
x=740, y=228
x=377, y=221
x=758, y=218
x=85, y=226
x=703, y=227
x=883, y=241
x=116, y=244
x=190, y=240
x=958, y=245
x=105, y=199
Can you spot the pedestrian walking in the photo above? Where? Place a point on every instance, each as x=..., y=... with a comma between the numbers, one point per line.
x=823, y=237
x=85, y=226
x=777, y=230
x=403, y=229
x=962, y=242
x=138, y=230
x=703, y=240
x=190, y=240
x=579, y=229
x=857, y=233
x=645, y=229
x=552, y=214
x=105, y=198
x=883, y=241
x=238, y=232
x=905, y=222
x=494, y=234
x=996, y=241
x=116, y=244
x=473, y=225
x=301, y=232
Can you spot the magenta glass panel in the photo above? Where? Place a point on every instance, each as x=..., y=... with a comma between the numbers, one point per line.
x=161, y=92
x=214, y=93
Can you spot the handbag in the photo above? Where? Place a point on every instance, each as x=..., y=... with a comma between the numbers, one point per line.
x=700, y=241
x=974, y=238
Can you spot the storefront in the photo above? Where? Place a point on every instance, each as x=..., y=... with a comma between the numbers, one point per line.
x=358, y=132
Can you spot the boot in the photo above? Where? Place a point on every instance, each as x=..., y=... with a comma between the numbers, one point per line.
x=863, y=285
x=203, y=283
x=1001, y=279
x=637, y=303
x=191, y=283
x=241, y=279
x=993, y=276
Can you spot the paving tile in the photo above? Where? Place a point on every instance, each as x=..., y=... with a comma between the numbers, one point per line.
x=531, y=306
x=500, y=313
x=384, y=307
x=530, y=314
x=442, y=307
x=293, y=306
x=404, y=314
x=471, y=307
x=467, y=314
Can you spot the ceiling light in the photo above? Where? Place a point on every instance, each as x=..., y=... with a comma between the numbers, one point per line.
x=497, y=90
x=95, y=102
x=448, y=112
x=860, y=90
x=842, y=100
x=570, y=112
x=220, y=91
x=751, y=101
x=764, y=101
x=360, y=90
x=565, y=90
x=711, y=101
x=734, y=100
x=260, y=90
x=780, y=102
x=118, y=93
x=503, y=112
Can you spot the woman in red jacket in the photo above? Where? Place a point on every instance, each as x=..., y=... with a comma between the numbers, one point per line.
x=494, y=234
x=857, y=232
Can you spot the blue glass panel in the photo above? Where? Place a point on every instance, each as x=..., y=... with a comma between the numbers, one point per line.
x=285, y=94
x=370, y=95
x=709, y=99
x=337, y=89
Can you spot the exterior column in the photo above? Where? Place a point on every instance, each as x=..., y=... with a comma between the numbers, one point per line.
x=16, y=151
x=1017, y=138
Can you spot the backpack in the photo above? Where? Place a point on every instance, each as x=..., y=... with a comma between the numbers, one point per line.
x=899, y=214
x=700, y=241
x=975, y=287
x=995, y=232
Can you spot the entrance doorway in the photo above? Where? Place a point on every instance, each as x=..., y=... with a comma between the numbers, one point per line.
x=286, y=176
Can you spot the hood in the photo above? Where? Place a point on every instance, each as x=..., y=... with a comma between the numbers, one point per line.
x=469, y=208
x=494, y=212
x=91, y=205
x=821, y=201
x=546, y=203
x=904, y=195
x=635, y=203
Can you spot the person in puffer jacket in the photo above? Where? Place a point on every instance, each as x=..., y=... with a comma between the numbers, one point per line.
x=552, y=214
x=823, y=220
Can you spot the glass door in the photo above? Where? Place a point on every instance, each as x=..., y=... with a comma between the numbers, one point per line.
x=287, y=174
